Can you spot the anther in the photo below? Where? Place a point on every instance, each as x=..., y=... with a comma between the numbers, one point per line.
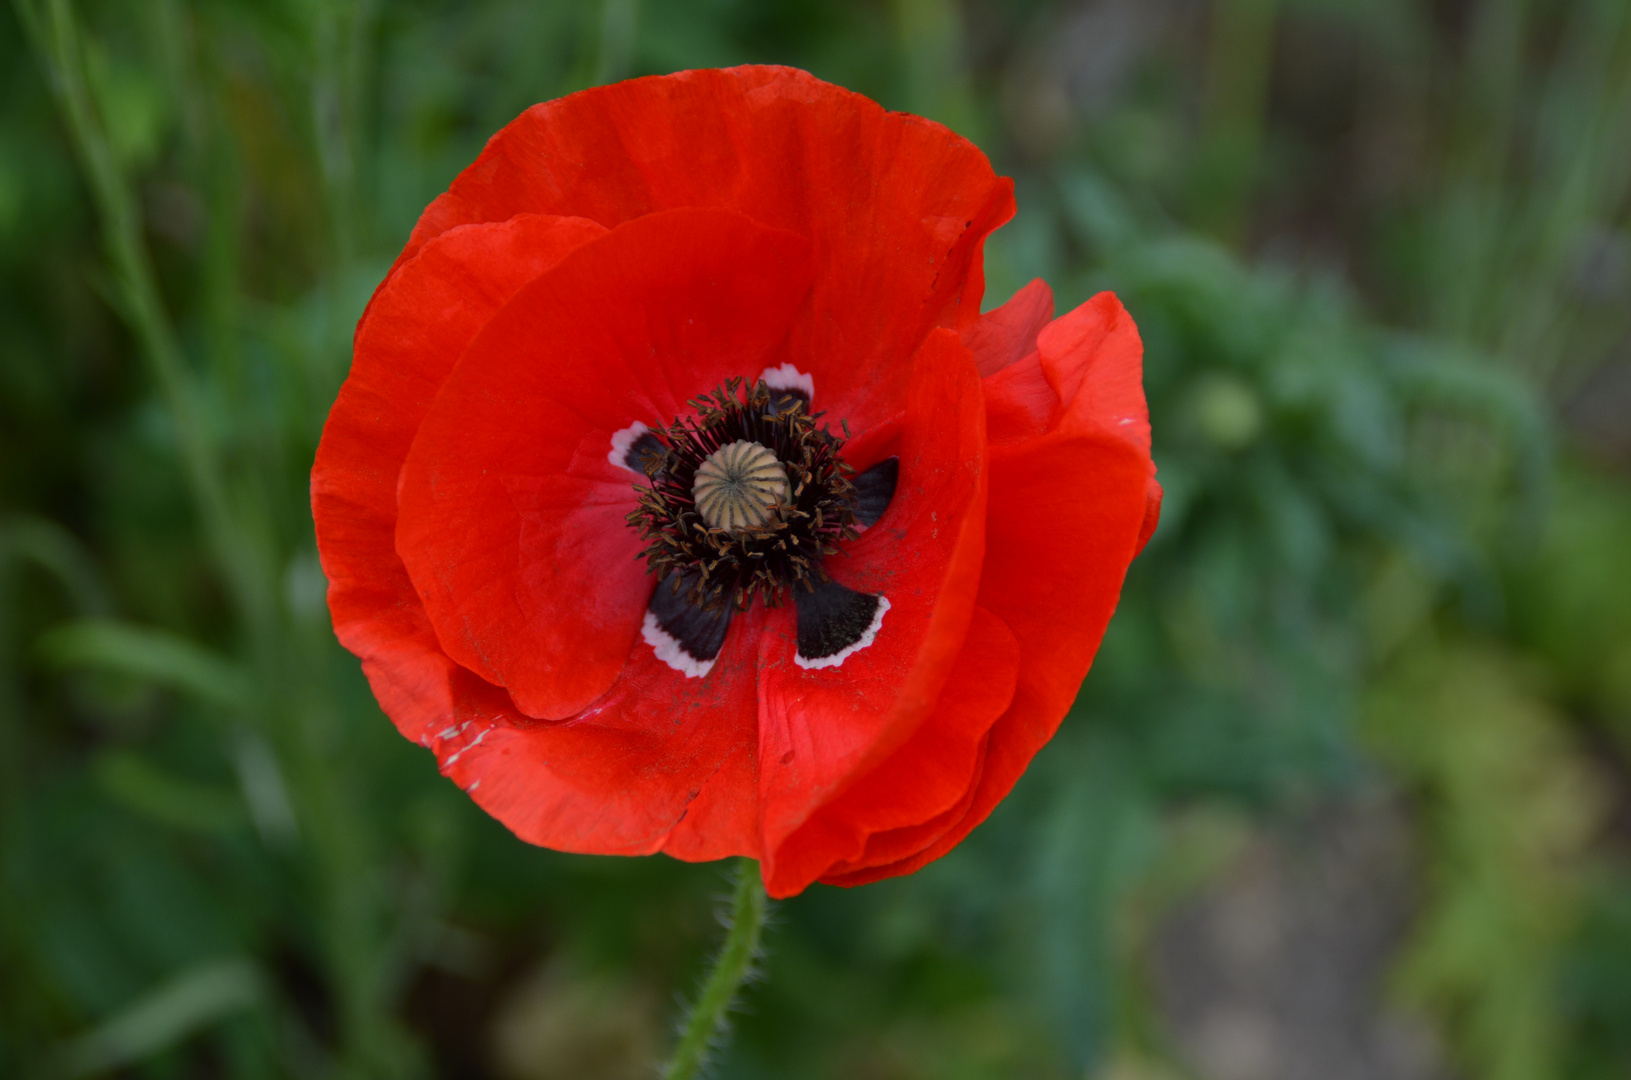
x=739, y=486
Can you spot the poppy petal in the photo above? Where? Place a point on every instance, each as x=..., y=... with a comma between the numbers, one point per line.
x=908, y=800
x=661, y=762
x=512, y=518
x=821, y=727
x=898, y=206
x=417, y=325
x=901, y=851
x=1083, y=534
x=1020, y=403
x=1007, y=334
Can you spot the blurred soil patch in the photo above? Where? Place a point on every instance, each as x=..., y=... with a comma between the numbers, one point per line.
x=1278, y=971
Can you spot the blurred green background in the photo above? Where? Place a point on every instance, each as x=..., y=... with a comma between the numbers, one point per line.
x=1346, y=796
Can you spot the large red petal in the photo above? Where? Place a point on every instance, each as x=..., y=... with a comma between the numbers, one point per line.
x=820, y=728
x=416, y=328
x=1066, y=515
x=897, y=206
x=512, y=518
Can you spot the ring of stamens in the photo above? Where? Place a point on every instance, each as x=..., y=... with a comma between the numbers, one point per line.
x=746, y=499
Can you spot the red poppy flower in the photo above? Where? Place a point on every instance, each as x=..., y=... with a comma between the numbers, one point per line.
x=681, y=499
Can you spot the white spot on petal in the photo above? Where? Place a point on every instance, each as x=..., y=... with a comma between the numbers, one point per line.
x=622, y=441
x=788, y=377
x=670, y=652
x=866, y=638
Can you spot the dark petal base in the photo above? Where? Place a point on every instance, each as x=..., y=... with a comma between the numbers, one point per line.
x=700, y=632
x=645, y=454
x=832, y=618
x=785, y=398
x=874, y=489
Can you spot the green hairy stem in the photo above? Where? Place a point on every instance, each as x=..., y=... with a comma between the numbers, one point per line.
x=705, y=1027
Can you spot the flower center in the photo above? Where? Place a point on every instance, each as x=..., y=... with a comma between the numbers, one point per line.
x=739, y=487
x=745, y=499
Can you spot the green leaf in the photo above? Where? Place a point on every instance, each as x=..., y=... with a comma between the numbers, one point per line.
x=164, y=1016
x=56, y=550
x=139, y=785
x=149, y=654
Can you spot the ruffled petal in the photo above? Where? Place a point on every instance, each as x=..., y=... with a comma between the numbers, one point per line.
x=1020, y=403
x=1095, y=352
x=895, y=809
x=820, y=727
x=1067, y=511
x=1093, y=359
x=901, y=851
x=661, y=762
x=512, y=515
x=898, y=207
x=417, y=326
x=1006, y=335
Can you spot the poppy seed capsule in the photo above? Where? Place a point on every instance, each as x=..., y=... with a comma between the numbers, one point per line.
x=739, y=486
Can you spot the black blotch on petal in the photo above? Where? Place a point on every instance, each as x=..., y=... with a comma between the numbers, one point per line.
x=832, y=618
x=874, y=488
x=642, y=452
x=782, y=399
x=700, y=633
